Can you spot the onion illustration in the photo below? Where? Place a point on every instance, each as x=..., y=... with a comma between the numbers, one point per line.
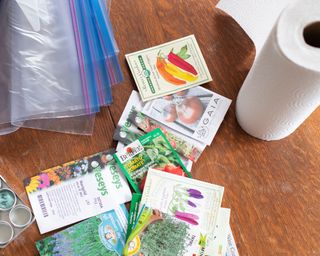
x=170, y=113
x=190, y=110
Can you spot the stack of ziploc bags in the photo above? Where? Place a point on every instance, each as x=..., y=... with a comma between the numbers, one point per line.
x=58, y=63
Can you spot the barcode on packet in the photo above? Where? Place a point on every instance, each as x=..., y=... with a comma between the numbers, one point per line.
x=42, y=206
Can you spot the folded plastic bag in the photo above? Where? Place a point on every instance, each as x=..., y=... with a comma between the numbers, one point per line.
x=47, y=94
x=45, y=71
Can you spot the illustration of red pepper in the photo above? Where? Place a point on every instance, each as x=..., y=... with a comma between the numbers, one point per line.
x=166, y=76
x=176, y=60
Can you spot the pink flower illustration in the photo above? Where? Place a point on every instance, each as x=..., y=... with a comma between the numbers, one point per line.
x=44, y=181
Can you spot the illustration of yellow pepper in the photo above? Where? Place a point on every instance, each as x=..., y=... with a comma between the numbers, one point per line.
x=175, y=71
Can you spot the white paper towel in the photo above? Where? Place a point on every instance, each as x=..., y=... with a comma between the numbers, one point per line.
x=256, y=17
x=283, y=87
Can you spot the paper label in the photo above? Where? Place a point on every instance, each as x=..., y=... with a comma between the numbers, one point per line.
x=168, y=68
x=78, y=190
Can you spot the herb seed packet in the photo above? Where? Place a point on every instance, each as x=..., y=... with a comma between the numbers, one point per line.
x=77, y=190
x=197, y=112
x=151, y=150
x=194, y=202
x=103, y=234
x=168, y=68
x=157, y=233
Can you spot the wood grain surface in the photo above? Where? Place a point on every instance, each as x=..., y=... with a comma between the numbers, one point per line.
x=272, y=188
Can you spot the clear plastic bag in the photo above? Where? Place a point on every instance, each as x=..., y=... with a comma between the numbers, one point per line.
x=47, y=83
x=45, y=71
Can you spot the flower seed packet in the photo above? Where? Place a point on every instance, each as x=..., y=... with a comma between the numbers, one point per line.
x=168, y=68
x=151, y=150
x=197, y=112
x=104, y=234
x=77, y=190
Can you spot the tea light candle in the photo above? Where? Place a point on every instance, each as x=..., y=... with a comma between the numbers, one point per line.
x=7, y=199
x=20, y=216
x=6, y=232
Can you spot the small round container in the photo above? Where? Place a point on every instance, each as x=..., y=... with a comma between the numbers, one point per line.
x=6, y=232
x=20, y=216
x=7, y=199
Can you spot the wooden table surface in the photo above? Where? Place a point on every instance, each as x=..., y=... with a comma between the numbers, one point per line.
x=272, y=188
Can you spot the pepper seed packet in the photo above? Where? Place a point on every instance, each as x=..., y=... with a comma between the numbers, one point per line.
x=168, y=68
x=151, y=150
x=77, y=190
x=104, y=234
x=197, y=112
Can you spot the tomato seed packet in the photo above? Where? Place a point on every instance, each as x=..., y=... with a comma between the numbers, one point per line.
x=168, y=68
x=150, y=151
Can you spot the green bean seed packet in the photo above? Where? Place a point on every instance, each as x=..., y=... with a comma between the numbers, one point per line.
x=152, y=150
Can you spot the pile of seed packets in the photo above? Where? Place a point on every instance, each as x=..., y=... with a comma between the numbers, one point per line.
x=163, y=130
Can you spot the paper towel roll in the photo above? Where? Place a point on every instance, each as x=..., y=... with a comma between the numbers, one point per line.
x=283, y=87
x=256, y=17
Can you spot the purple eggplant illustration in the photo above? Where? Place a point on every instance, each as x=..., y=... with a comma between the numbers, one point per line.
x=195, y=193
x=192, y=204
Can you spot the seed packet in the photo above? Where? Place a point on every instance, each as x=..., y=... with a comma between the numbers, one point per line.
x=197, y=112
x=103, y=234
x=168, y=68
x=134, y=104
x=77, y=190
x=157, y=233
x=184, y=145
x=125, y=135
x=127, y=131
x=134, y=212
x=217, y=242
x=232, y=246
x=151, y=150
x=194, y=202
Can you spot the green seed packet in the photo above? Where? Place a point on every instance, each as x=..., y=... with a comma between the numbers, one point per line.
x=134, y=212
x=103, y=234
x=150, y=151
